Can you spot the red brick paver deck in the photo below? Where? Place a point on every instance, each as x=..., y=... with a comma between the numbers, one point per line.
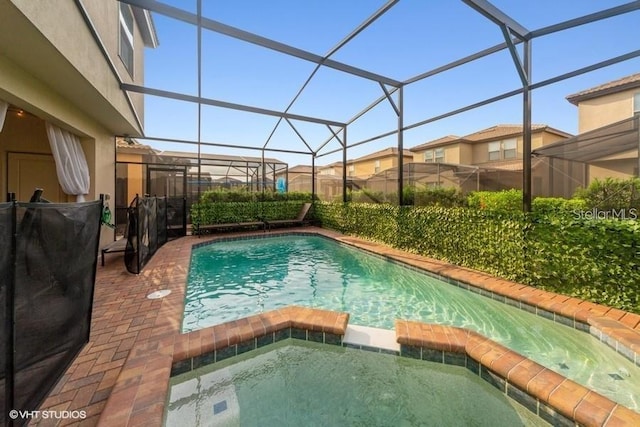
x=123, y=318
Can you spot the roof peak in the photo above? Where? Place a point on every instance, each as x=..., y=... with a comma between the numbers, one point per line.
x=614, y=86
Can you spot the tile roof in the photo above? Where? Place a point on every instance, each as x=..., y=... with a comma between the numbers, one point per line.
x=488, y=134
x=301, y=169
x=131, y=143
x=440, y=141
x=499, y=131
x=381, y=153
x=628, y=82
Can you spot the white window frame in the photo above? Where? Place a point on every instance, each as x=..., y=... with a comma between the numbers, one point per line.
x=125, y=37
x=438, y=156
x=428, y=156
x=510, y=148
x=493, y=149
x=376, y=166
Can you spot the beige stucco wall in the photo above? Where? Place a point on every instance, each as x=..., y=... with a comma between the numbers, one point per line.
x=367, y=167
x=620, y=168
x=68, y=83
x=105, y=17
x=18, y=87
x=604, y=110
x=452, y=153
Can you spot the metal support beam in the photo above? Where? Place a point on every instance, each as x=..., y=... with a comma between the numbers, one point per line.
x=313, y=177
x=506, y=32
x=494, y=14
x=587, y=19
x=299, y=135
x=199, y=32
x=400, y=111
x=224, y=104
x=526, y=132
x=390, y=99
x=344, y=164
x=457, y=63
x=248, y=37
x=337, y=47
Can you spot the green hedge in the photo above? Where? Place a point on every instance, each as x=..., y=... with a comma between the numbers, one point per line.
x=206, y=212
x=598, y=260
x=224, y=195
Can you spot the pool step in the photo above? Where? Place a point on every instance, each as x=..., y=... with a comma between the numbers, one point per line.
x=365, y=336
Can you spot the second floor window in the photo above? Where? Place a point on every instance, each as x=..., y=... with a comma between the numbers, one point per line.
x=352, y=170
x=494, y=150
x=439, y=152
x=431, y=156
x=509, y=148
x=506, y=149
x=376, y=167
x=636, y=103
x=125, y=50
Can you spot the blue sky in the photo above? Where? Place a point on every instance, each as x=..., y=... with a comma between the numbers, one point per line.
x=413, y=37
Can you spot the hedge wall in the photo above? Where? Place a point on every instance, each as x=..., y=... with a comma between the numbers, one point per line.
x=598, y=260
x=206, y=212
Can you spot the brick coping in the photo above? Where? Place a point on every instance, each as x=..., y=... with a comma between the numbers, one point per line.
x=141, y=392
x=124, y=321
x=546, y=393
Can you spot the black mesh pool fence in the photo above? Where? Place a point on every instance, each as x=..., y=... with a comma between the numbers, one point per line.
x=48, y=268
x=146, y=232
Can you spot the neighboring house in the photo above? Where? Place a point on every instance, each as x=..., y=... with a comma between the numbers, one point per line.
x=495, y=152
x=62, y=64
x=606, y=120
x=332, y=169
x=374, y=163
x=298, y=177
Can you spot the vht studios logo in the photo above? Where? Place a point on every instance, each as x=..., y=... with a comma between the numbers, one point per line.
x=611, y=214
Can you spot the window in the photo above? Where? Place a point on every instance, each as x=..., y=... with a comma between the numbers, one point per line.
x=376, y=167
x=636, y=103
x=126, y=37
x=352, y=170
x=509, y=148
x=439, y=155
x=494, y=150
x=428, y=156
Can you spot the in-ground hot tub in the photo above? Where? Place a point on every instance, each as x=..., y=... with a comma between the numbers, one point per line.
x=296, y=383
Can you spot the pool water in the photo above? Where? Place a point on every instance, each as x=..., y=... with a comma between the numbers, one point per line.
x=233, y=279
x=310, y=384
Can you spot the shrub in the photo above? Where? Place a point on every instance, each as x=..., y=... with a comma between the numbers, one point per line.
x=440, y=196
x=557, y=206
x=593, y=260
x=243, y=195
x=611, y=194
x=499, y=201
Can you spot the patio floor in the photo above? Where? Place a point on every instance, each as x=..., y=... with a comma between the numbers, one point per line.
x=124, y=317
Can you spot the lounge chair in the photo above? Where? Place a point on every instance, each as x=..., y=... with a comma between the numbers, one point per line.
x=299, y=220
x=119, y=245
x=200, y=229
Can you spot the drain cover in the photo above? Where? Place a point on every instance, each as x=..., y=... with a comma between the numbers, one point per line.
x=159, y=294
x=219, y=407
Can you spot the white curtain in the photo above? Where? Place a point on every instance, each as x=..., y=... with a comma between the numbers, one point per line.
x=71, y=165
x=3, y=112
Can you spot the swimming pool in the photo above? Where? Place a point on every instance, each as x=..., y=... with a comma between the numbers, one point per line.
x=271, y=387
x=234, y=279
